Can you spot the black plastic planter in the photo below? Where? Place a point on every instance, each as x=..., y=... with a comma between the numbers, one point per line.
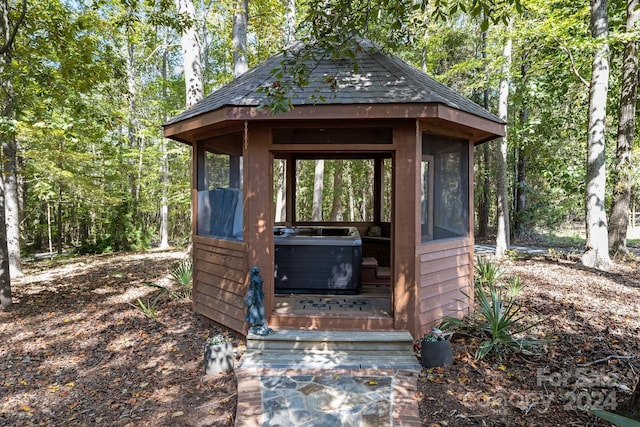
x=436, y=353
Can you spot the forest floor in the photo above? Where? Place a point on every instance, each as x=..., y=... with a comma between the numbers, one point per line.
x=590, y=322
x=76, y=352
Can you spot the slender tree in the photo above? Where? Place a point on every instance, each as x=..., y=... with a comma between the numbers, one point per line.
x=239, y=36
x=190, y=53
x=485, y=158
x=520, y=225
x=503, y=233
x=10, y=23
x=597, y=247
x=619, y=218
x=164, y=163
x=5, y=278
x=318, y=191
x=290, y=22
x=336, y=206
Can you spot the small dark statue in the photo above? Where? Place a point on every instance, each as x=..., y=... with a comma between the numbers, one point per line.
x=255, y=303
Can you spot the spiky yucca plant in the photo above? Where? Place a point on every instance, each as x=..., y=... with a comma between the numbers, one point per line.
x=182, y=275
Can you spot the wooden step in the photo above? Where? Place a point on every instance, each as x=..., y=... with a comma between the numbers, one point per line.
x=330, y=349
x=369, y=262
x=383, y=273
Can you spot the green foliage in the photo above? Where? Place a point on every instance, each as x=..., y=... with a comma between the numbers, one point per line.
x=487, y=272
x=217, y=340
x=616, y=419
x=182, y=275
x=128, y=234
x=515, y=287
x=124, y=232
x=149, y=308
x=497, y=324
x=91, y=92
x=435, y=334
x=516, y=255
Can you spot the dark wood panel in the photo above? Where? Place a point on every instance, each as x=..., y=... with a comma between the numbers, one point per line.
x=226, y=297
x=221, y=318
x=225, y=285
x=230, y=310
x=230, y=261
x=222, y=272
x=219, y=244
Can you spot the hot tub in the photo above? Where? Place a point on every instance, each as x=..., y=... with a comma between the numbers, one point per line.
x=317, y=260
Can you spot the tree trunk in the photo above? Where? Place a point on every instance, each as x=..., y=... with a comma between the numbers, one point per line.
x=12, y=219
x=239, y=38
x=164, y=202
x=280, y=179
x=619, y=218
x=352, y=196
x=484, y=203
x=520, y=225
x=10, y=224
x=192, y=67
x=425, y=35
x=164, y=166
x=191, y=55
x=597, y=247
x=318, y=190
x=290, y=23
x=59, y=224
x=502, y=237
x=49, y=230
x=336, y=207
x=10, y=181
x=5, y=278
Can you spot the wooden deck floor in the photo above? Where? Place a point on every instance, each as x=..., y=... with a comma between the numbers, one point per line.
x=372, y=301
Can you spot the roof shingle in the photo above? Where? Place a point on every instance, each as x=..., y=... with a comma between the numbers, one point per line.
x=380, y=79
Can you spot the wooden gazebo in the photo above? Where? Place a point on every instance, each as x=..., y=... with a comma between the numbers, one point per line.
x=407, y=125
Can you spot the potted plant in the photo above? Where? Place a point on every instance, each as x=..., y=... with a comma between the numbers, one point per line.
x=218, y=355
x=435, y=349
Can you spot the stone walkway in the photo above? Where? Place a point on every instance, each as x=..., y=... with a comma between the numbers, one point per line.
x=328, y=379
x=327, y=398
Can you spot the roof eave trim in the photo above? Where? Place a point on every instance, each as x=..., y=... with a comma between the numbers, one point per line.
x=186, y=130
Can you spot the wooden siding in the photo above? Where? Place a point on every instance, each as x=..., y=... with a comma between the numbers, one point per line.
x=220, y=281
x=446, y=271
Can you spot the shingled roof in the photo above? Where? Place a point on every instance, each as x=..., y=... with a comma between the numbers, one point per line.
x=380, y=79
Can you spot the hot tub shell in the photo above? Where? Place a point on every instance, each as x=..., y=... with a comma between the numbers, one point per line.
x=317, y=260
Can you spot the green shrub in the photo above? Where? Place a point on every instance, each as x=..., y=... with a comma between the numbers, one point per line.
x=514, y=287
x=182, y=275
x=487, y=272
x=497, y=324
x=149, y=309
